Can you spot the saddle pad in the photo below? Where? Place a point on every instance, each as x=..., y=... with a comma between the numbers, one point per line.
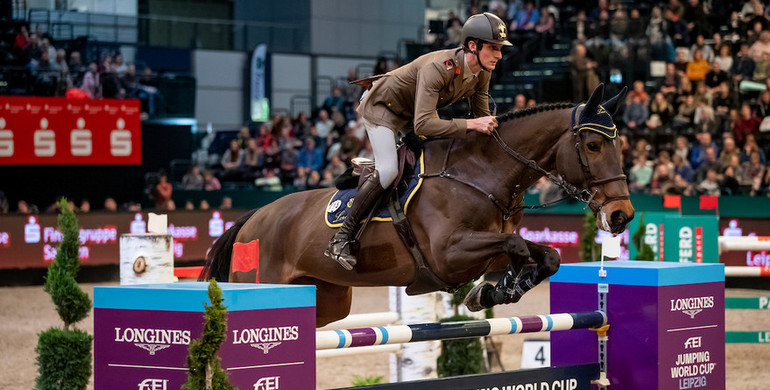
x=340, y=203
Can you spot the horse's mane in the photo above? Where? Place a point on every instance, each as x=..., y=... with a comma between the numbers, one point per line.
x=533, y=110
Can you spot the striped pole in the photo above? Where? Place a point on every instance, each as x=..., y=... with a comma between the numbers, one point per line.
x=743, y=243
x=747, y=337
x=746, y=272
x=455, y=330
x=755, y=303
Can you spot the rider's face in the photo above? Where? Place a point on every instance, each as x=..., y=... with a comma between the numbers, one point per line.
x=489, y=55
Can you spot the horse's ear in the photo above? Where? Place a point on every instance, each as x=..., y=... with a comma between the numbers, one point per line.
x=613, y=105
x=595, y=99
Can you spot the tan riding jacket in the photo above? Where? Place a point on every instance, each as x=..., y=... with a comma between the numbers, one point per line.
x=413, y=92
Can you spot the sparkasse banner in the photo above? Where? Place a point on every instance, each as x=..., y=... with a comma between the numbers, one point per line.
x=59, y=131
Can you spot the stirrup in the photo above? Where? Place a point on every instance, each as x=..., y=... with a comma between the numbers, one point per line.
x=347, y=263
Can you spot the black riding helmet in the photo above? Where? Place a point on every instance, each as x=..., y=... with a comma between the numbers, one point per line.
x=484, y=27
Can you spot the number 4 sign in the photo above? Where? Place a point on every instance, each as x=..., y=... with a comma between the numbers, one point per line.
x=536, y=353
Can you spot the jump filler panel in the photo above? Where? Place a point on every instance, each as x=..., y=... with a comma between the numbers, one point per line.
x=142, y=332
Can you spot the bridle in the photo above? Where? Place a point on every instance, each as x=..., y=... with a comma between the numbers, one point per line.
x=585, y=195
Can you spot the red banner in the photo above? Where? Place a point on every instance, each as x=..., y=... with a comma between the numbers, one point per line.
x=48, y=131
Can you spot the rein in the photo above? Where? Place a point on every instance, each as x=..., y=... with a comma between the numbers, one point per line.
x=581, y=195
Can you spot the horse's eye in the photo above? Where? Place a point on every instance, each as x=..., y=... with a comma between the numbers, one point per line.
x=594, y=147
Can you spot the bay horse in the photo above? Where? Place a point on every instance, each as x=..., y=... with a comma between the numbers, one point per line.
x=464, y=216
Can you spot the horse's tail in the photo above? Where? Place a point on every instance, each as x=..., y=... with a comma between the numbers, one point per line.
x=218, y=258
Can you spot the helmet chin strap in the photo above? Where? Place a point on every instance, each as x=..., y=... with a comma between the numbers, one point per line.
x=478, y=59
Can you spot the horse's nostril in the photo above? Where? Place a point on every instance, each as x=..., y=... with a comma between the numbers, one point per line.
x=618, y=217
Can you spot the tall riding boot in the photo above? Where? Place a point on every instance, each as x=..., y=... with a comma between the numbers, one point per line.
x=339, y=246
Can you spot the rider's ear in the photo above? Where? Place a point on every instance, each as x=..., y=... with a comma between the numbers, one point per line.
x=595, y=99
x=613, y=105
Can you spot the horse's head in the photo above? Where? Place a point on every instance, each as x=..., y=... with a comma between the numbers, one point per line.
x=591, y=159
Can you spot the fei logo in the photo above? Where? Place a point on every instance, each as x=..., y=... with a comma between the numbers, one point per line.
x=154, y=384
x=267, y=383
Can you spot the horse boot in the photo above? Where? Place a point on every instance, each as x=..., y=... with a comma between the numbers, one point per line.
x=339, y=246
x=509, y=289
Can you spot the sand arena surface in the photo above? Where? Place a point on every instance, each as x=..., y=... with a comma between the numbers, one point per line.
x=26, y=311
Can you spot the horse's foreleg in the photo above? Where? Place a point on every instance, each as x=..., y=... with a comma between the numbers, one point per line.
x=543, y=262
x=465, y=245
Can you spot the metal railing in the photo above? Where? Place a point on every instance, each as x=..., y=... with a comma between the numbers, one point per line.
x=173, y=31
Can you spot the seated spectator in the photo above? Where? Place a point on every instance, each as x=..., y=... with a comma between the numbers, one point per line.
x=637, y=91
x=204, y=205
x=743, y=65
x=269, y=181
x=723, y=101
x=273, y=156
x=110, y=205
x=763, y=106
x=77, y=69
x=640, y=176
x=334, y=169
x=754, y=172
x=761, y=46
x=162, y=192
x=750, y=147
x=335, y=100
x=324, y=125
x=706, y=50
x=682, y=147
x=636, y=113
x=189, y=205
x=44, y=77
x=686, y=112
x=302, y=126
x=210, y=182
x=710, y=184
x=699, y=153
x=227, y=203
x=725, y=59
x=91, y=84
x=729, y=150
x=746, y=124
x=661, y=107
x=704, y=120
x=682, y=168
x=729, y=184
x=710, y=161
x=762, y=69
x=545, y=24
x=119, y=67
x=670, y=84
x=680, y=187
x=350, y=145
x=288, y=165
x=583, y=69
x=193, y=180
x=662, y=179
x=85, y=206
x=309, y=159
x=253, y=161
x=681, y=61
x=170, y=205
x=21, y=40
x=716, y=76
x=244, y=135
x=526, y=18
x=698, y=67
x=232, y=160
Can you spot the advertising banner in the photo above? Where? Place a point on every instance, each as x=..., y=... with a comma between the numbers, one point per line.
x=31, y=241
x=59, y=131
x=653, y=232
x=691, y=238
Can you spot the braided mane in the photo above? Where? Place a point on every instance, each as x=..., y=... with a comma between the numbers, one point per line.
x=533, y=110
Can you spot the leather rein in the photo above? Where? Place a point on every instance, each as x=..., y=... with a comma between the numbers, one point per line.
x=581, y=195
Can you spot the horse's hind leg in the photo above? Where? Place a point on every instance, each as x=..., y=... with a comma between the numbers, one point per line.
x=543, y=262
x=332, y=300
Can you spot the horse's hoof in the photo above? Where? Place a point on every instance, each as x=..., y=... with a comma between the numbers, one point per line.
x=473, y=299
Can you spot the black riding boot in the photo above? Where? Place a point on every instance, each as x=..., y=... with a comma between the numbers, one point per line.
x=339, y=246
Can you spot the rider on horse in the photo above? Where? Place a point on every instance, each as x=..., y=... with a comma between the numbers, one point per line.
x=410, y=95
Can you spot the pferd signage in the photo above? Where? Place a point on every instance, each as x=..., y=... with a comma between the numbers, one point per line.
x=59, y=131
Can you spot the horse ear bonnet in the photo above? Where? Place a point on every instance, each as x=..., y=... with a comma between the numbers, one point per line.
x=595, y=117
x=613, y=105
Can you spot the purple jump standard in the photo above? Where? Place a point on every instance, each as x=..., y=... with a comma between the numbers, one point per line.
x=141, y=334
x=667, y=322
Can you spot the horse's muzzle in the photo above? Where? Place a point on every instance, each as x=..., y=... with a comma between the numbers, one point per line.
x=618, y=221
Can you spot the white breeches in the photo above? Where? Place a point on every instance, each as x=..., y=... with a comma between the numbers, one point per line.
x=384, y=147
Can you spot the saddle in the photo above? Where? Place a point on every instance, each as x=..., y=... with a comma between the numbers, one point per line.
x=409, y=151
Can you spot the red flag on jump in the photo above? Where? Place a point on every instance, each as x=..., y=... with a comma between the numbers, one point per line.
x=709, y=202
x=672, y=201
x=246, y=257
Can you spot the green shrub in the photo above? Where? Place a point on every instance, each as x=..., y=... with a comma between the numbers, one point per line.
x=643, y=250
x=366, y=380
x=589, y=249
x=64, y=355
x=202, y=355
x=462, y=356
x=63, y=359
